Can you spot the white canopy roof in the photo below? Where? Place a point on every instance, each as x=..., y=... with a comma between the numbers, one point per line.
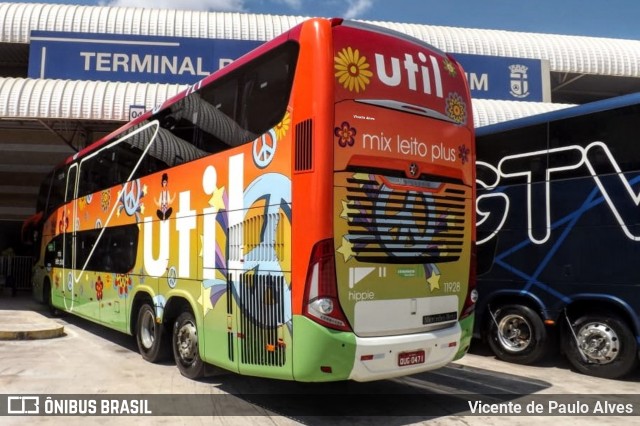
x=570, y=54
x=24, y=98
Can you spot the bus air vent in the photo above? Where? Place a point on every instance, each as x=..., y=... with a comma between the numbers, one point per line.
x=262, y=319
x=304, y=146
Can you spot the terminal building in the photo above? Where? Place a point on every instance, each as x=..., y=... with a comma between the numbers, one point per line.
x=71, y=74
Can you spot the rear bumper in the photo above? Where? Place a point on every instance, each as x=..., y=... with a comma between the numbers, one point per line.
x=377, y=357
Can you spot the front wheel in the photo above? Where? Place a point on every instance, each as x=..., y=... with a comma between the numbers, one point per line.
x=185, y=346
x=517, y=334
x=603, y=346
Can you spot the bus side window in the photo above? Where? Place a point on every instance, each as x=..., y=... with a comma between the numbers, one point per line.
x=58, y=187
x=51, y=252
x=266, y=92
x=213, y=116
x=112, y=250
x=123, y=248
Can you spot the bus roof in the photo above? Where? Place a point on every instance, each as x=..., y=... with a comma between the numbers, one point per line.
x=589, y=108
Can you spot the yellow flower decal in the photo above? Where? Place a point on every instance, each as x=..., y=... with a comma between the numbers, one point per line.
x=282, y=127
x=456, y=108
x=449, y=67
x=105, y=200
x=352, y=70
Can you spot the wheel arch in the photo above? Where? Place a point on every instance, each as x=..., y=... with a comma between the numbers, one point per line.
x=172, y=308
x=511, y=297
x=176, y=305
x=590, y=303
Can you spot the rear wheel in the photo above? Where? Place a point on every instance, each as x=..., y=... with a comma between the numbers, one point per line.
x=185, y=346
x=603, y=346
x=517, y=334
x=150, y=335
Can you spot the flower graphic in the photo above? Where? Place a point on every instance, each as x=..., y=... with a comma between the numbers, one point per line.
x=463, y=153
x=99, y=288
x=105, y=200
x=345, y=134
x=283, y=126
x=107, y=280
x=456, y=108
x=352, y=70
x=122, y=284
x=449, y=67
x=63, y=223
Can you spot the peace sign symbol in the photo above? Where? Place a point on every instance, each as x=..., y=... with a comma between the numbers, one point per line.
x=264, y=149
x=131, y=195
x=172, y=277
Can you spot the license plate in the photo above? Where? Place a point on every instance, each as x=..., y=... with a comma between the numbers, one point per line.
x=411, y=358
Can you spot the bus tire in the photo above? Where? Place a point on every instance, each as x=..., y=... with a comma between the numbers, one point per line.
x=519, y=335
x=185, y=346
x=607, y=347
x=151, y=336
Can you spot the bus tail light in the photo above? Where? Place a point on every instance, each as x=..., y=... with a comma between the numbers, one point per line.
x=321, y=289
x=472, y=293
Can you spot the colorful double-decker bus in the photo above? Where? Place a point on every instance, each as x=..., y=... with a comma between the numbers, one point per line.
x=304, y=213
x=559, y=235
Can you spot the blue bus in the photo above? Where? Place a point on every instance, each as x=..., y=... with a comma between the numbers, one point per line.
x=558, y=228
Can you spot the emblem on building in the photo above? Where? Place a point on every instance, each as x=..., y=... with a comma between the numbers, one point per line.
x=519, y=82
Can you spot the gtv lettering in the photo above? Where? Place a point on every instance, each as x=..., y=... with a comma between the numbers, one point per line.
x=417, y=75
x=493, y=209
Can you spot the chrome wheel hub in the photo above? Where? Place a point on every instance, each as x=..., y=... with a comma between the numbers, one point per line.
x=514, y=333
x=598, y=342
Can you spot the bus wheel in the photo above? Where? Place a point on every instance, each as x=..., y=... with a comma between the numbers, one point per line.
x=601, y=346
x=185, y=346
x=150, y=335
x=517, y=334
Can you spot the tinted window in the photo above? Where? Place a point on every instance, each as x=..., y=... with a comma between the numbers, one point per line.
x=58, y=189
x=111, y=250
x=224, y=114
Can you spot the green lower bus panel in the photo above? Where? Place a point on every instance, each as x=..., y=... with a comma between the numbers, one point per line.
x=321, y=354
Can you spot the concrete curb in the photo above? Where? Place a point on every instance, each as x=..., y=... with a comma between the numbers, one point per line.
x=27, y=325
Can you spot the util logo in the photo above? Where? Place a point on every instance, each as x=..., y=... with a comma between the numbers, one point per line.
x=417, y=73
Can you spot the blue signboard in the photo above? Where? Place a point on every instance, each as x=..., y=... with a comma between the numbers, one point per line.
x=110, y=57
x=155, y=59
x=515, y=79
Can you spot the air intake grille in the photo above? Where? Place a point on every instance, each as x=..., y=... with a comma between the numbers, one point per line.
x=404, y=226
x=304, y=146
x=262, y=318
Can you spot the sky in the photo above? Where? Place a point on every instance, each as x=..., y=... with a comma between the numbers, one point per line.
x=595, y=18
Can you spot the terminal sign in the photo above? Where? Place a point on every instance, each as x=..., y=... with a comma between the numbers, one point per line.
x=130, y=58
x=505, y=78
x=156, y=59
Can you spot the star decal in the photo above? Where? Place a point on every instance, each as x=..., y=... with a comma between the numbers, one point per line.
x=434, y=282
x=346, y=210
x=205, y=300
x=217, y=199
x=346, y=249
